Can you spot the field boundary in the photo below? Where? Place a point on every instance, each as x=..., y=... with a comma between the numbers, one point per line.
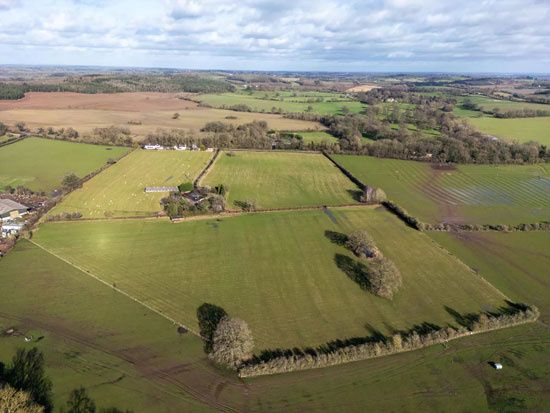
x=116, y=289
x=206, y=169
x=350, y=176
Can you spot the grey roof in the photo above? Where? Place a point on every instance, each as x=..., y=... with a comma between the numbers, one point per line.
x=8, y=205
x=161, y=189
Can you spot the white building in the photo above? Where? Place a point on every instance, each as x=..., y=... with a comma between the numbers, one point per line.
x=153, y=147
x=180, y=148
x=10, y=209
x=11, y=229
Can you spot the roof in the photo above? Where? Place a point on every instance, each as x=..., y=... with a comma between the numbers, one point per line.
x=161, y=189
x=7, y=205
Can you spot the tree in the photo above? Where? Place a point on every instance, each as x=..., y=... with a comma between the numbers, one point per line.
x=361, y=244
x=3, y=129
x=345, y=110
x=232, y=342
x=384, y=277
x=70, y=182
x=186, y=187
x=176, y=115
x=14, y=401
x=26, y=373
x=9, y=189
x=21, y=126
x=209, y=316
x=79, y=402
x=373, y=195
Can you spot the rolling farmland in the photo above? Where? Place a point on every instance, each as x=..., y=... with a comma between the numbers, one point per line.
x=41, y=164
x=485, y=194
x=519, y=129
x=275, y=270
x=119, y=191
x=281, y=180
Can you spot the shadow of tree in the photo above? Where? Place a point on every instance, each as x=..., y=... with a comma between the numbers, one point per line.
x=465, y=320
x=209, y=316
x=355, y=270
x=336, y=237
x=356, y=195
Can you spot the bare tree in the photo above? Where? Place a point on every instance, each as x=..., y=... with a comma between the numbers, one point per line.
x=232, y=342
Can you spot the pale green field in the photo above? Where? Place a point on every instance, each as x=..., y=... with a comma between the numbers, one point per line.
x=317, y=137
x=119, y=190
x=519, y=129
x=280, y=180
x=274, y=270
x=41, y=164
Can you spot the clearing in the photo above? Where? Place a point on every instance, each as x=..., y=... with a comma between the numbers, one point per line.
x=41, y=164
x=484, y=194
x=281, y=179
x=119, y=190
x=275, y=270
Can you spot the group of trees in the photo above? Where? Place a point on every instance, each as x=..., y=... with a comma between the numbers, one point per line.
x=27, y=389
x=176, y=205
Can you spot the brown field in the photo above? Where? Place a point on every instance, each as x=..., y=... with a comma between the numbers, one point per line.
x=84, y=112
x=362, y=88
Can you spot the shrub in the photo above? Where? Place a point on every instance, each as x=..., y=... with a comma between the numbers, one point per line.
x=373, y=195
x=232, y=342
x=185, y=187
x=70, y=182
x=384, y=277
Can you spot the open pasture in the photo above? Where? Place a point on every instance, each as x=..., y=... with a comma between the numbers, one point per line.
x=488, y=104
x=318, y=137
x=41, y=164
x=280, y=180
x=485, y=194
x=286, y=102
x=275, y=270
x=119, y=190
x=519, y=129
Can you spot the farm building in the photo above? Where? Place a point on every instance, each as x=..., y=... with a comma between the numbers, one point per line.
x=194, y=196
x=10, y=209
x=153, y=147
x=161, y=189
x=11, y=229
x=180, y=148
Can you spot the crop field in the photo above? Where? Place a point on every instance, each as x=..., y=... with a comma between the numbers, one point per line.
x=286, y=103
x=519, y=129
x=488, y=104
x=281, y=180
x=41, y=164
x=485, y=194
x=275, y=270
x=119, y=190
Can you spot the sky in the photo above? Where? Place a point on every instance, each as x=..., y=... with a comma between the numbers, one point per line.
x=504, y=36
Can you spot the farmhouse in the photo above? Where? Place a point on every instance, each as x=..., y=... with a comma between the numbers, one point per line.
x=194, y=196
x=161, y=189
x=10, y=209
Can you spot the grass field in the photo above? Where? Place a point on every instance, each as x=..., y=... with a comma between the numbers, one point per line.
x=317, y=137
x=488, y=104
x=466, y=193
x=40, y=164
x=275, y=270
x=280, y=180
x=519, y=129
x=91, y=335
x=288, y=103
x=119, y=191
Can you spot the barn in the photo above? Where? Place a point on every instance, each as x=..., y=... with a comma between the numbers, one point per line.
x=9, y=209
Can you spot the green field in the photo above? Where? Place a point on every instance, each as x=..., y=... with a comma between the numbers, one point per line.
x=92, y=335
x=318, y=137
x=40, y=164
x=274, y=270
x=286, y=102
x=486, y=194
x=519, y=129
x=119, y=191
x=281, y=180
x=488, y=104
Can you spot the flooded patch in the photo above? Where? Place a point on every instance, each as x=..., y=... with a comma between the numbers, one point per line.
x=213, y=224
x=443, y=167
x=330, y=215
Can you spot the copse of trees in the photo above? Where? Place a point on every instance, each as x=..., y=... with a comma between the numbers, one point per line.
x=384, y=277
x=17, y=401
x=373, y=195
x=361, y=244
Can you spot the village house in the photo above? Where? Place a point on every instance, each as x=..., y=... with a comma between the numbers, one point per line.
x=10, y=209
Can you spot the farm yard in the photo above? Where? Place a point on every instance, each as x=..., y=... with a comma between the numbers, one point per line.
x=280, y=180
x=119, y=191
x=41, y=164
x=482, y=194
x=275, y=270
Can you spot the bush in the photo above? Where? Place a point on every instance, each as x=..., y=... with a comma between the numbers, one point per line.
x=384, y=277
x=186, y=187
x=70, y=182
x=232, y=342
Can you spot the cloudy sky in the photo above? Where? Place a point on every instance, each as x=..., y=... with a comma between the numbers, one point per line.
x=333, y=35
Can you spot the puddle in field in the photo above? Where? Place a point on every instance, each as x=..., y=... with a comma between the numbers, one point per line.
x=167, y=179
x=213, y=224
x=332, y=217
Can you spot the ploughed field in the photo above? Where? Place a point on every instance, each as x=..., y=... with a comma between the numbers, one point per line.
x=280, y=179
x=277, y=271
x=484, y=194
x=41, y=164
x=119, y=190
